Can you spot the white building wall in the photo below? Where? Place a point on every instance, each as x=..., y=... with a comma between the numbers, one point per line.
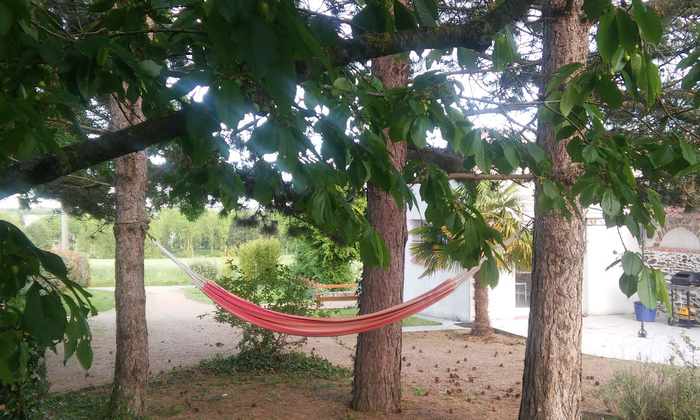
x=457, y=306
x=601, y=289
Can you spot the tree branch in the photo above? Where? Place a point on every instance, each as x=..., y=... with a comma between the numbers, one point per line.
x=477, y=34
x=22, y=176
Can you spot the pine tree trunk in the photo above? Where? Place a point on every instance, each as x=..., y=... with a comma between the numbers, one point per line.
x=377, y=383
x=482, y=324
x=552, y=375
x=131, y=368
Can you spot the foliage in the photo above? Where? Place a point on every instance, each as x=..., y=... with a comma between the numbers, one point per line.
x=22, y=399
x=205, y=268
x=273, y=286
x=32, y=315
x=259, y=259
x=87, y=403
x=157, y=272
x=78, y=267
x=658, y=391
x=252, y=360
x=501, y=209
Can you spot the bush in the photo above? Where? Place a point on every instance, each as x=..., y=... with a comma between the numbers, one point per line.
x=292, y=362
x=78, y=267
x=21, y=399
x=658, y=391
x=275, y=287
x=259, y=258
x=205, y=268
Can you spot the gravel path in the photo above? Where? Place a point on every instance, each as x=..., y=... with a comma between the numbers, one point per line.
x=176, y=337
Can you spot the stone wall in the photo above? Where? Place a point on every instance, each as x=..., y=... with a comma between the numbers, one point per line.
x=670, y=261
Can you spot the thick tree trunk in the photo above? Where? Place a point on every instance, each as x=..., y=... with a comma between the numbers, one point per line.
x=482, y=324
x=377, y=383
x=131, y=362
x=552, y=375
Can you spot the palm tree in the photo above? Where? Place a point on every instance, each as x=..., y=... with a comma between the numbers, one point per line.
x=502, y=210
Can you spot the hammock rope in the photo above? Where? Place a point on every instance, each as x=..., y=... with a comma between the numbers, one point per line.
x=317, y=326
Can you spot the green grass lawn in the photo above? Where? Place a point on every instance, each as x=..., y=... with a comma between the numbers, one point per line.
x=158, y=272
x=411, y=321
x=102, y=300
x=196, y=294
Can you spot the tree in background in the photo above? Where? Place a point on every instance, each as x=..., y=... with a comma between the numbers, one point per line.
x=502, y=209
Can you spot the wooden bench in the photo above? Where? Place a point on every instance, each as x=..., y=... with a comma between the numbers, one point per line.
x=333, y=296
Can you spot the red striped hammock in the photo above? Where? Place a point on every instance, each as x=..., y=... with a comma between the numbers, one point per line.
x=316, y=326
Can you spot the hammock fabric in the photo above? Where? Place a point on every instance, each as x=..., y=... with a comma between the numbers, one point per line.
x=315, y=326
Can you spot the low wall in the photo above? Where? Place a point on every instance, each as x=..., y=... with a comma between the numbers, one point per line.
x=670, y=261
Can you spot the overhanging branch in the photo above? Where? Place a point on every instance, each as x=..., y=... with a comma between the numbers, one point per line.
x=477, y=35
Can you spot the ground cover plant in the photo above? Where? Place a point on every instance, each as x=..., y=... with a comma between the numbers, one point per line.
x=658, y=391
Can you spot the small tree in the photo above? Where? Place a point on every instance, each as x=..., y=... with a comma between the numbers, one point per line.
x=260, y=279
x=502, y=210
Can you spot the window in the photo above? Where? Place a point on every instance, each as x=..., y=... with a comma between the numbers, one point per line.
x=415, y=224
x=523, y=286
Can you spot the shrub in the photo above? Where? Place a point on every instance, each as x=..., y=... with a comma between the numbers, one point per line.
x=259, y=258
x=658, y=391
x=275, y=287
x=21, y=399
x=78, y=267
x=205, y=268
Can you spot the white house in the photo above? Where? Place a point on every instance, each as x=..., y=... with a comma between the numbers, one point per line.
x=511, y=298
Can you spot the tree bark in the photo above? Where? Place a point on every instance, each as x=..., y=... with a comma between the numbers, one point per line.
x=131, y=368
x=552, y=374
x=482, y=324
x=377, y=383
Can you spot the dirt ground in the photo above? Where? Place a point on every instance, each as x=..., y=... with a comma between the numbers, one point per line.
x=445, y=374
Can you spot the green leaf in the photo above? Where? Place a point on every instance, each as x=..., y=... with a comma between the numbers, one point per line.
x=570, y=98
x=481, y=157
x=101, y=6
x=662, y=156
x=661, y=292
x=453, y=223
x=423, y=12
x=628, y=31
x=628, y=284
x=5, y=18
x=84, y=354
x=229, y=104
x=563, y=73
x=544, y=204
x=151, y=68
x=631, y=263
x=590, y=153
x=689, y=152
x=648, y=22
x=468, y=59
x=535, y=151
x=610, y=203
x=606, y=36
x=488, y=274
x=608, y=92
x=404, y=17
x=44, y=315
x=595, y=8
x=550, y=189
x=418, y=132
x=646, y=288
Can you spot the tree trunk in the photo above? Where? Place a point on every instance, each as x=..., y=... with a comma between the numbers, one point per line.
x=131, y=368
x=552, y=375
x=377, y=383
x=482, y=324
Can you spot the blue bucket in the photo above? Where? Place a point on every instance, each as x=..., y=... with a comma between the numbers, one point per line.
x=640, y=310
